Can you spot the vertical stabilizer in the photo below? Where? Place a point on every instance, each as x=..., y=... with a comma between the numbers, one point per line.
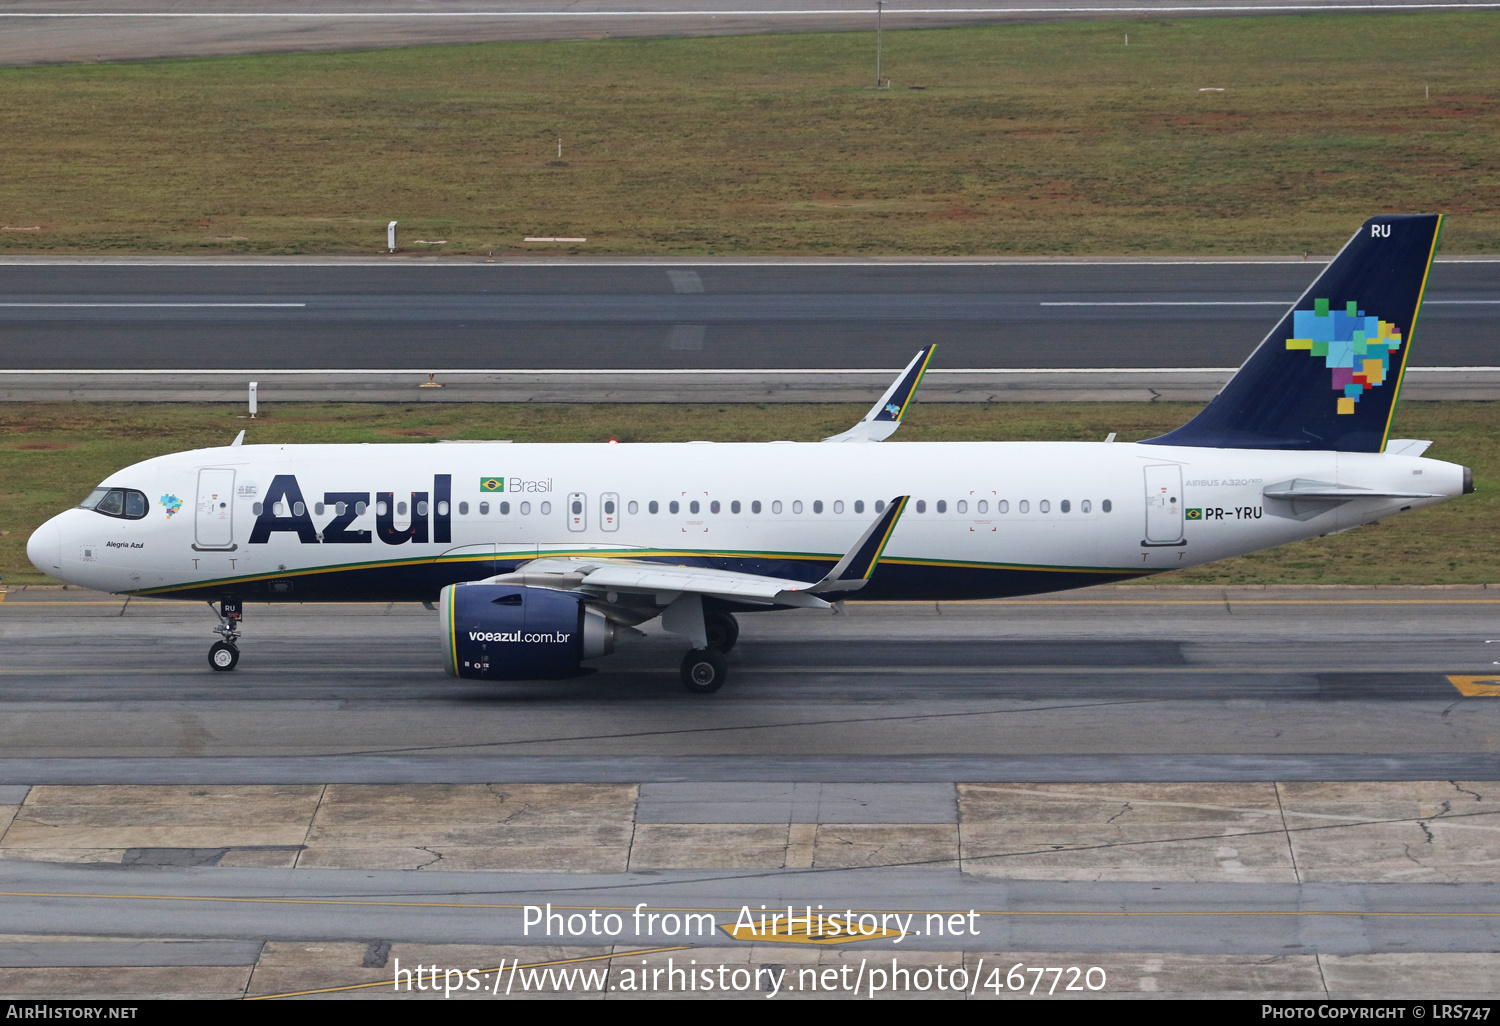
x=1329, y=375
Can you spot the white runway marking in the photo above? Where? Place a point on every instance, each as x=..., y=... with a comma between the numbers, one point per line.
x=814, y=12
x=1205, y=302
x=1258, y=302
x=115, y=306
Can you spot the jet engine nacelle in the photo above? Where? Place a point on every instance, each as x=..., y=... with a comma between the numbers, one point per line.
x=500, y=632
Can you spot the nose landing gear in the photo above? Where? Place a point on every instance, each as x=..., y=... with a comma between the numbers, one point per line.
x=224, y=655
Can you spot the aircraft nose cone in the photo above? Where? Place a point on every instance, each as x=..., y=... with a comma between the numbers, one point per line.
x=44, y=548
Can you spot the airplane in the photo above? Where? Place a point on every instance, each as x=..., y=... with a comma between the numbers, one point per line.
x=538, y=558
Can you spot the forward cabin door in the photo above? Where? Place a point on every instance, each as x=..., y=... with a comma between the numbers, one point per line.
x=213, y=526
x=1164, y=504
x=609, y=511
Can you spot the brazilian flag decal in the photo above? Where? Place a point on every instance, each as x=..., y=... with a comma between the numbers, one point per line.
x=1195, y=514
x=492, y=484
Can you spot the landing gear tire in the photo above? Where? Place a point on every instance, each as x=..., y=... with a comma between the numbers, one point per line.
x=723, y=630
x=704, y=670
x=223, y=656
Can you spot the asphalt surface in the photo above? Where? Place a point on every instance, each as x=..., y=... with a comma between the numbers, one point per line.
x=710, y=317
x=1110, y=684
x=1105, y=684
x=78, y=30
x=1014, y=915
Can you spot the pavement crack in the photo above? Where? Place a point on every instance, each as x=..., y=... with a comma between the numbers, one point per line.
x=839, y=721
x=437, y=857
x=1126, y=808
x=1426, y=832
x=1465, y=790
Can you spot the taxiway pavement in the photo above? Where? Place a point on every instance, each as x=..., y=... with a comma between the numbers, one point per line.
x=1239, y=792
x=1126, y=679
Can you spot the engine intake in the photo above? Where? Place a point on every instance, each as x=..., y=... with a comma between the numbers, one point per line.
x=499, y=632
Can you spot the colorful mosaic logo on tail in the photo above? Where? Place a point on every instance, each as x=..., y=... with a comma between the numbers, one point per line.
x=1355, y=347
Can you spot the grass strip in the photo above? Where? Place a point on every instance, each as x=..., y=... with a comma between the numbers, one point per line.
x=52, y=454
x=1008, y=139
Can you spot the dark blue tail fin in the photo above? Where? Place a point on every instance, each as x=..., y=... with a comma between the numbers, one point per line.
x=1329, y=375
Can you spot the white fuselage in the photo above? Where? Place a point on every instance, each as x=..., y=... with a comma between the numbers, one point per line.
x=986, y=518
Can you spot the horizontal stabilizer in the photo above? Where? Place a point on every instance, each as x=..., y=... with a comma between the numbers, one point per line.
x=1335, y=493
x=1407, y=446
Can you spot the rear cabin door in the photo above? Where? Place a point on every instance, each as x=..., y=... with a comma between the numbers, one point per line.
x=609, y=511
x=1164, y=504
x=213, y=526
x=578, y=511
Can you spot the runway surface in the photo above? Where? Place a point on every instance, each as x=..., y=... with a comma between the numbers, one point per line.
x=1131, y=679
x=1139, y=779
x=707, y=317
x=68, y=30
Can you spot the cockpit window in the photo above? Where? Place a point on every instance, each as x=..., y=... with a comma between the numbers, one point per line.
x=125, y=503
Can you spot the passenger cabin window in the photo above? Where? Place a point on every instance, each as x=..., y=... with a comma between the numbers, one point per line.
x=318, y=508
x=838, y=506
x=653, y=506
x=942, y=505
x=693, y=506
x=879, y=505
x=776, y=506
x=859, y=505
x=463, y=508
x=546, y=508
x=1106, y=505
x=505, y=509
x=673, y=507
x=817, y=505
x=609, y=507
x=921, y=505
x=1065, y=505
x=359, y=508
x=713, y=507
x=1085, y=506
x=1044, y=506
x=796, y=505
x=983, y=506
x=1025, y=506
x=961, y=506
x=734, y=507
x=755, y=506
x=525, y=509
x=1003, y=505
x=400, y=509
x=256, y=508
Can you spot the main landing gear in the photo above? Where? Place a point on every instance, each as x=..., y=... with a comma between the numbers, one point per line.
x=223, y=654
x=704, y=669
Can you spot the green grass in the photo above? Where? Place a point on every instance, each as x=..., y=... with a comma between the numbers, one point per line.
x=52, y=454
x=1026, y=139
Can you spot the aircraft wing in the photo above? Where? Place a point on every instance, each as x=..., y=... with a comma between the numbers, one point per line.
x=885, y=416
x=666, y=583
